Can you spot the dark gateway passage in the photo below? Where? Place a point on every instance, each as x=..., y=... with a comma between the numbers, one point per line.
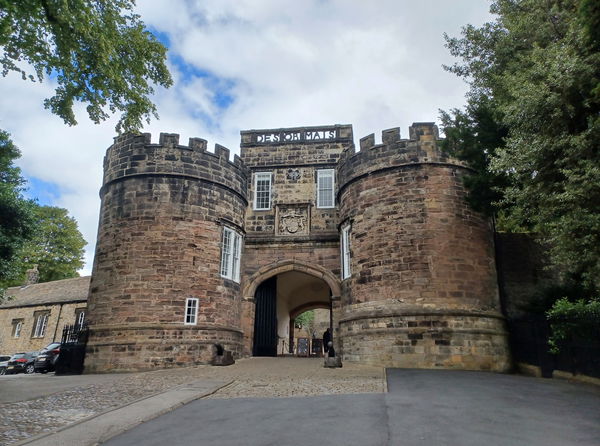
x=265, y=319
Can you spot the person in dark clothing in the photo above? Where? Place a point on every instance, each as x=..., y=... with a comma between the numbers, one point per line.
x=326, y=339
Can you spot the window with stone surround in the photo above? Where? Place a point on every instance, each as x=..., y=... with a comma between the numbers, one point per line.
x=17, y=325
x=79, y=316
x=40, y=322
x=191, y=311
x=262, y=191
x=345, y=251
x=325, y=188
x=231, y=253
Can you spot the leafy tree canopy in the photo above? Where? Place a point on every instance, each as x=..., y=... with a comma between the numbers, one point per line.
x=574, y=322
x=532, y=121
x=98, y=52
x=56, y=246
x=16, y=216
x=306, y=320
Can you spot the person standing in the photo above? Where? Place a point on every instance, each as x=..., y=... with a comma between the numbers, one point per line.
x=326, y=339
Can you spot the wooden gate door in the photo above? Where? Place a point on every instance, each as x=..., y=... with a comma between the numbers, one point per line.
x=265, y=319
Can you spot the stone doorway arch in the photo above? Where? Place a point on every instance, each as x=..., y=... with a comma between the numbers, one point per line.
x=285, y=270
x=292, y=265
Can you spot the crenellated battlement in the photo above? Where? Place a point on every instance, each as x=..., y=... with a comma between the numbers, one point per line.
x=135, y=155
x=421, y=147
x=171, y=140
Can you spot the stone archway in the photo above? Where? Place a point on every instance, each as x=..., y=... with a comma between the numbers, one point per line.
x=276, y=268
x=289, y=275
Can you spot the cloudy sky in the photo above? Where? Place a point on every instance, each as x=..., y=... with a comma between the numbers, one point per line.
x=251, y=64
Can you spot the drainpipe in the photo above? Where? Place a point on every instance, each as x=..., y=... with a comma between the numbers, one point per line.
x=57, y=322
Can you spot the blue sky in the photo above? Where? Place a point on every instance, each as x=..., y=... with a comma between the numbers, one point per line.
x=43, y=192
x=244, y=64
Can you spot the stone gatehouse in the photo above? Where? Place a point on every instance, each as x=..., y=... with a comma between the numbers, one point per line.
x=195, y=249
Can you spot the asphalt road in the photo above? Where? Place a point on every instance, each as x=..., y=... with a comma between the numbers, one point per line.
x=422, y=407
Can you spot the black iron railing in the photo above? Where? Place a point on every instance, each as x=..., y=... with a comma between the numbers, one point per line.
x=529, y=344
x=75, y=334
x=72, y=351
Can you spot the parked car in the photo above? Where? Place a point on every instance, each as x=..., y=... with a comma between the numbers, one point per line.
x=3, y=363
x=47, y=358
x=21, y=362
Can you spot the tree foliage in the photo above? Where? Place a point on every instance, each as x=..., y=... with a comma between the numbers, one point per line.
x=56, y=246
x=306, y=320
x=577, y=321
x=473, y=135
x=534, y=77
x=16, y=216
x=98, y=52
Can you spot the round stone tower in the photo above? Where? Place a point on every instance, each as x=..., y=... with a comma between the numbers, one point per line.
x=158, y=297
x=421, y=289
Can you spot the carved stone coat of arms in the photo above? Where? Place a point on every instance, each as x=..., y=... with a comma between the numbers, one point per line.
x=293, y=221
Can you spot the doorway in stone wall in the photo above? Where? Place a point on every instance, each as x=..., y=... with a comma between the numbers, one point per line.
x=281, y=299
x=265, y=319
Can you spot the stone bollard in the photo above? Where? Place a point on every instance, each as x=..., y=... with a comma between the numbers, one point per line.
x=332, y=361
x=223, y=357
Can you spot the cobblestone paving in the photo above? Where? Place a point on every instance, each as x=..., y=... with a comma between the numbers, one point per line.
x=255, y=377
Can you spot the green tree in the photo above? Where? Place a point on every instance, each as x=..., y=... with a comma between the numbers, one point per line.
x=16, y=217
x=537, y=66
x=56, y=246
x=472, y=135
x=306, y=320
x=577, y=322
x=98, y=52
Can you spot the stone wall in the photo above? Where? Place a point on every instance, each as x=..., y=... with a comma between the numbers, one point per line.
x=294, y=166
x=59, y=316
x=163, y=210
x=420, y=257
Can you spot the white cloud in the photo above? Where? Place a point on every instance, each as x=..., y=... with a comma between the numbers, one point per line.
x=371, y=64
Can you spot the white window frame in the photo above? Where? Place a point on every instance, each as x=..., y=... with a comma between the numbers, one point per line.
x=191, y=311
x=261, y=176
x=80, y=318
x=17, y=329
x=321, y=174
x=345, y=252
x=41, y=322
x=231, y=254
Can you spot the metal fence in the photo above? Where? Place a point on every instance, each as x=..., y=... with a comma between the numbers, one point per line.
x=72, y=351
x=75, y=334
x=529, y=344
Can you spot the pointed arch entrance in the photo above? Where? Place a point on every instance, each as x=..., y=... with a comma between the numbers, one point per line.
x=280, y=292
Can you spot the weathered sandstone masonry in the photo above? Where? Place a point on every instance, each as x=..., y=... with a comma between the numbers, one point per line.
x=295, y=232
x=421, y=288
x=159, y=242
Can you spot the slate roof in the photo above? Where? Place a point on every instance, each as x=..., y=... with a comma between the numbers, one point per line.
x=47, y=293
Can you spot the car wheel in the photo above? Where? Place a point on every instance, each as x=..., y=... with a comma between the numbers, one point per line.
x=29, y=369
x=2, y=371
x=43, y=371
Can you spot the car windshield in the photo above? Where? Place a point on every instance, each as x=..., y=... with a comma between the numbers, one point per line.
x=18, y=355
x=50, y=347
